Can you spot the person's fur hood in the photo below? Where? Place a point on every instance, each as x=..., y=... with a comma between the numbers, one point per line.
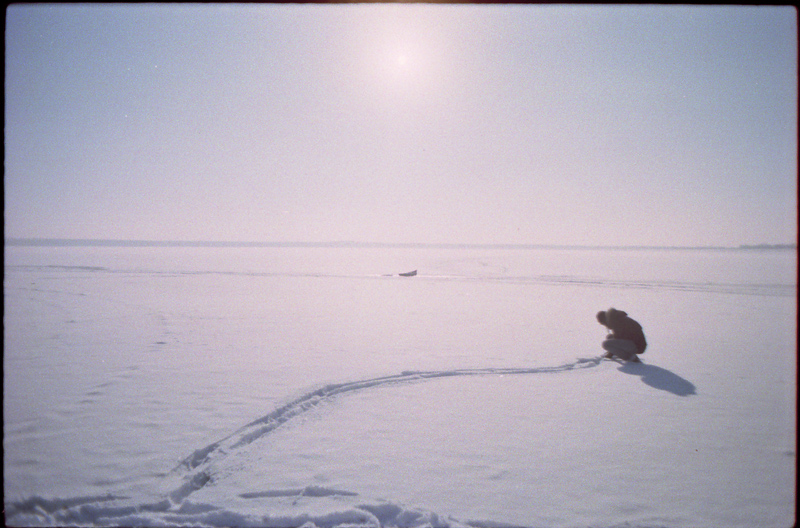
x=611, y=316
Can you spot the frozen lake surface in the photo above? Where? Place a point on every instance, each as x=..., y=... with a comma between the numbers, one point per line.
x=283, y=386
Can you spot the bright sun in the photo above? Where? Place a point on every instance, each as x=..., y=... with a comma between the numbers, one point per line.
x=407, y=51
x=401, y=64
x=404, y=62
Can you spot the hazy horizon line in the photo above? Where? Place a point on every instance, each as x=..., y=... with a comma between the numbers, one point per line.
x=106, y=242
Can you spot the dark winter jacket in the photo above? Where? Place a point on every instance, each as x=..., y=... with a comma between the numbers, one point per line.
x=623, y=327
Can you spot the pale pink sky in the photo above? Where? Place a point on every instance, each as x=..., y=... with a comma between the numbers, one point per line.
x=592, y=125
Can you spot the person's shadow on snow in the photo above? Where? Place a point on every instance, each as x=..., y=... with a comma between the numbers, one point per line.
x=660, y=378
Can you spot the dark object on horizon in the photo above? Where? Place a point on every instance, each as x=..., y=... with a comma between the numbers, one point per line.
x=409, y=273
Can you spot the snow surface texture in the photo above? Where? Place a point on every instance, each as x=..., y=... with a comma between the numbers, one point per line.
x=474, y=390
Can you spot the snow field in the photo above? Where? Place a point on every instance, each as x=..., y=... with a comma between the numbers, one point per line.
x=122, y=363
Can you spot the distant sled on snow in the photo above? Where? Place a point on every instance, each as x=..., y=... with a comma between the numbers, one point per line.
x=408, y=273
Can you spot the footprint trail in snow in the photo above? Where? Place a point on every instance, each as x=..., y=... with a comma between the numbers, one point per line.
x=169, y=502
x=199, y=461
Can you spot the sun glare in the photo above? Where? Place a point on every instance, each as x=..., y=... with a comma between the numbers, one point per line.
x=405, y=53
x=400, y=58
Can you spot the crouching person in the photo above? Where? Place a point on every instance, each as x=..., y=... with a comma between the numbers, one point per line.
x=625, y=339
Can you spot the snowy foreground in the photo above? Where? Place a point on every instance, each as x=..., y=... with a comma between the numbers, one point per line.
x=314, y=386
